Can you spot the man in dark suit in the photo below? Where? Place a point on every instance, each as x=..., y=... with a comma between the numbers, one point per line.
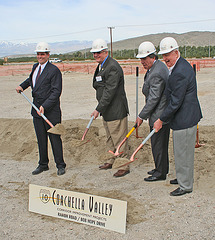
x=108, y=81
x=153, y=89
x=46, y=83
x=183, y=111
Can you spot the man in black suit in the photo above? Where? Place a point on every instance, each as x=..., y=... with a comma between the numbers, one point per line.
x=108, y=81
x=46, y=83
x=183, y=111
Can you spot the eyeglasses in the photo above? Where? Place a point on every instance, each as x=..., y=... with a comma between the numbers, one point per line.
x=98, y=52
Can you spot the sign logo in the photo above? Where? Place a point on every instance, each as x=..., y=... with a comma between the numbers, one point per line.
x=44, y=195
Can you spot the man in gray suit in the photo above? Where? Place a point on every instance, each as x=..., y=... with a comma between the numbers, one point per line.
x=46, y=83
x=183, y=111
x=108, y=81
x=153, y=89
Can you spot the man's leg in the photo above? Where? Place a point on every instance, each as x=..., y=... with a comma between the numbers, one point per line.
x=57, y=150
x=184, y=148
x=42, y=140
x=117, y=130
x=160, y=143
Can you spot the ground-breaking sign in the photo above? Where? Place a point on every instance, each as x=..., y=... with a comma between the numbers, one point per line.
x=84, y=208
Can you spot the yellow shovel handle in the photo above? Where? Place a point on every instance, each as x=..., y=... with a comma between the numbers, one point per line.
x=131, y=131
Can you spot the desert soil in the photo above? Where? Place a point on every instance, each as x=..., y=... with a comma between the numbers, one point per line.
x=152, y=212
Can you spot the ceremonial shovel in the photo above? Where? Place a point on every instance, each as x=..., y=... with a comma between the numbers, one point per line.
x=123, y=141
x=134, y=153
x=57, y=129
x=87, y=128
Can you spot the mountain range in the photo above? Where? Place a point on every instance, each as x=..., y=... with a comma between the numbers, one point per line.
x=184, y=39
x=10, y=49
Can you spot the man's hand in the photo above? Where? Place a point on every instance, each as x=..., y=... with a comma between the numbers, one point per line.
x=19, y=89
x=95, y=113
x=41, y=110
x=139, y=121
x=158, y=125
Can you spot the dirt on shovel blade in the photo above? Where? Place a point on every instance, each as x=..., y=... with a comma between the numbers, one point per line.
x=57, y=129
x=78, y=143
x=106, y=156
x=119, y=162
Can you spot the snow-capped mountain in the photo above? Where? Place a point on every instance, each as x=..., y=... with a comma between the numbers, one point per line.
x=9, y=48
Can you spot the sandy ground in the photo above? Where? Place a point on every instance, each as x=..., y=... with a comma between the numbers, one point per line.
x=152, y=213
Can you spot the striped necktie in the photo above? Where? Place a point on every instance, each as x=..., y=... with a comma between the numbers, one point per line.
x=38, y=74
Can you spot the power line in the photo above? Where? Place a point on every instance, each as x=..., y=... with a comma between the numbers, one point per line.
x=58, y=35
x=158, y=24
x=120, y=26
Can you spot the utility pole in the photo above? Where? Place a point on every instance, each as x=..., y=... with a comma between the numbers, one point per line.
x=111, y=45
x=209, y=50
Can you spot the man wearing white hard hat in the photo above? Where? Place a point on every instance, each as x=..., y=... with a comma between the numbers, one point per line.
x=46, y=83
x=155, y=102
x=183, y=111
x=108, y=81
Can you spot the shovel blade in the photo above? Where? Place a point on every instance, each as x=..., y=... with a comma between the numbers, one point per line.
x=58, y=129
x=120, y=162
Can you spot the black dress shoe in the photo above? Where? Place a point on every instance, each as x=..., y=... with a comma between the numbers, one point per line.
x=151, y=172
x=174, y=181
x=179, y=192
x=61, y=171
x=152, y=179
x=39, y=169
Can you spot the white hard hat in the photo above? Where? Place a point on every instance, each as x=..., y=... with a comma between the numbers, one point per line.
x=168, y=44
x=145, y=49
x=42, y=47
x=98, y=45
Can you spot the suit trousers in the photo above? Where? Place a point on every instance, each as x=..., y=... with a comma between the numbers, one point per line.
x=116, y=131
x=184, y=148
x=160, y=145
x=41, y=128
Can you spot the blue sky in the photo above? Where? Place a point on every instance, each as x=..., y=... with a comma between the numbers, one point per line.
x=64, y=20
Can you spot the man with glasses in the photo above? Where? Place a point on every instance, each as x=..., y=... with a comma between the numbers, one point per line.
x=183, y=111
x=108, y=81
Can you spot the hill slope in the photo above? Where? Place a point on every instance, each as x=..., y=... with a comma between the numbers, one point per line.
x=184, y=39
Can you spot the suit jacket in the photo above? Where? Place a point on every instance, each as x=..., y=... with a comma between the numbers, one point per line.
x=183, y=109
x=110, y=92
x=46, y=91
x=153, y=89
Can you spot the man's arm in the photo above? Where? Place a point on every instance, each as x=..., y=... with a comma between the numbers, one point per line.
x=156, y=89
x=56, y=89
x=111, y=86
x=177, y=93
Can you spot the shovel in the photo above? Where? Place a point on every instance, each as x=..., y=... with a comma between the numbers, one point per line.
x=117, y=153
x=135, y=152
x=87, y=128
x=57, y=129
x=197, y=138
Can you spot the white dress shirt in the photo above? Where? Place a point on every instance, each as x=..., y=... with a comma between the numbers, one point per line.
x=36, y=71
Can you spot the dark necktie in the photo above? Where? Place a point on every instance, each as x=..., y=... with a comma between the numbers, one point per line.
x=146, y=74
x=38, y=74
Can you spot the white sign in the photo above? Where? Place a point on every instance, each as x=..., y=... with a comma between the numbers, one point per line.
x=79, y=207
